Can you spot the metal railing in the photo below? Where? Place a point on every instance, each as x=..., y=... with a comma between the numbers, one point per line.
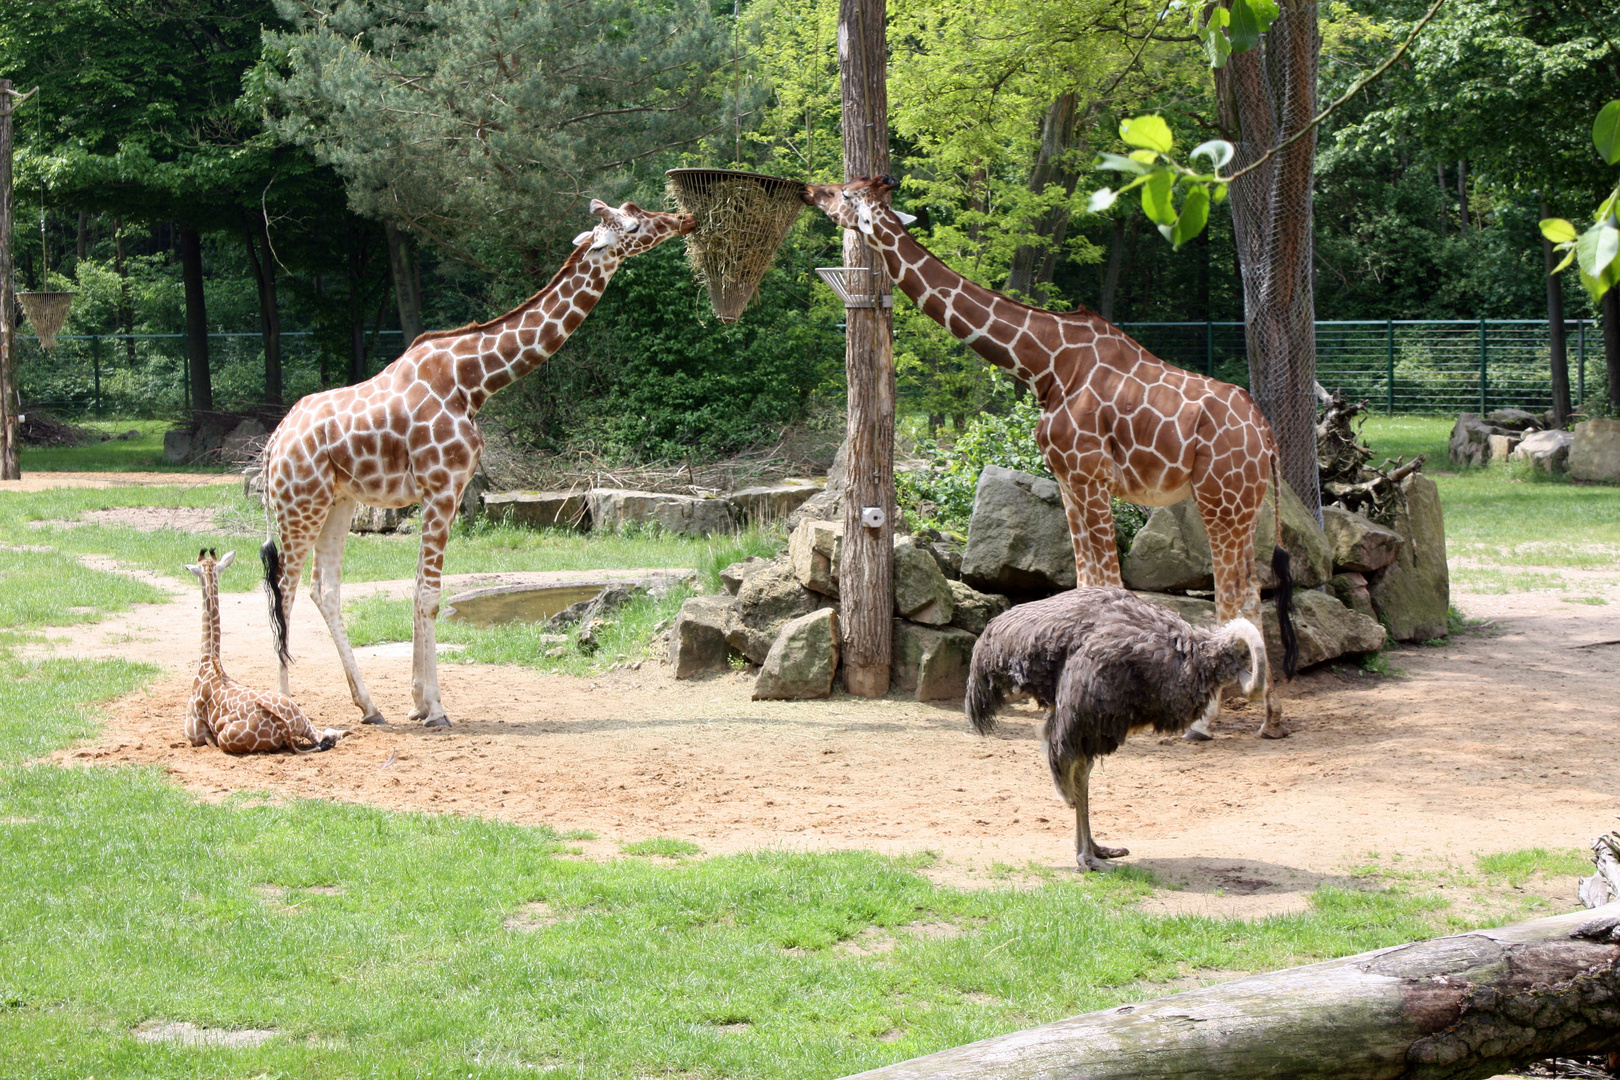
x=146, y=375
x=1403, y=365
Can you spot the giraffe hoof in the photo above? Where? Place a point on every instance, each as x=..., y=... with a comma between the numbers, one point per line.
x=373, y=718
x=1194, y=735
x=439, y=721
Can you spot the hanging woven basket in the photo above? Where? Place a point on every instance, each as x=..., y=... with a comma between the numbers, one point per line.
x=742, y=219
x=46, y=312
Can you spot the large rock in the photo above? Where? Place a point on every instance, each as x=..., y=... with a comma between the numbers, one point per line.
x=972, y=609
x=1350, y=589
x=1514, y=419
x=1502, y=446
x=772, y=597
x=1471, y=441
x=1595, y=453
x=1325, y=627
x=802, y=660
x=733, y=576
x=1018, y=537
x=379, y=519
x=614, y=508
x=610, y=599
x=1172, y=550
x=922, y=593
x=1412, y=595
x=539, y=509
x=762, y=506
x=931, y=664
x=828, y=503
x=697, y=641
x=813, y=552
x=1546, y=451
x=1359, y=544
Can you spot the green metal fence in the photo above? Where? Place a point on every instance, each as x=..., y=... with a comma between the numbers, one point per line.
x=1404, y=366
x=145, y=375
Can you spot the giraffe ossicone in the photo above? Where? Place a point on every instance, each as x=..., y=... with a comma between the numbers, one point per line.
x=224, y=713
x=1115, y=419
x=410, y=435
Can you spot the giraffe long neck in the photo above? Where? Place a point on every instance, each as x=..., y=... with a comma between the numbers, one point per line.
x=1022, y=339
x=210, y=620
x=508, y=348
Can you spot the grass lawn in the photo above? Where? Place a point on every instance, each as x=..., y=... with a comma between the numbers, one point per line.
x=381, y=944
x=144, y=453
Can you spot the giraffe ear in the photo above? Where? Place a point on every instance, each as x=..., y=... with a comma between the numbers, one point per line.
x=196, y=571
x=601, y=209
x=905, y=218
x=226, y=560
x=584, y=236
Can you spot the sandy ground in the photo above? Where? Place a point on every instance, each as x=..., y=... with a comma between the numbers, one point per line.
x=1498, y=741
x=45, y=481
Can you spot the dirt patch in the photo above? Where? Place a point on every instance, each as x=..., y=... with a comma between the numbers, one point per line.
x=191, y=519
x=531, y=917
x=47, y=481
x=1482, y=745
x=183, y=1033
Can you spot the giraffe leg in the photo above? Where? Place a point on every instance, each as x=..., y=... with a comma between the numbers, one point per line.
x=438, y=511
x=326, y=590
x=297, y=541
x=1091, y=530
x=1237, y=589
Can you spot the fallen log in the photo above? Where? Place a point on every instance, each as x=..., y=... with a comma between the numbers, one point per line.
x=1604, y=886
x=1471, y=1005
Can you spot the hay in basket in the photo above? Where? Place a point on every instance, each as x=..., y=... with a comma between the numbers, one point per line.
x=742, y=219
x=47, y=312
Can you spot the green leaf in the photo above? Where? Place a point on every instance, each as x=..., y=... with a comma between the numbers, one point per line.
x=1120, y=164
x=1149, y=132
x=1265, y=13
x=1168, y=232
x=1557, y=230
x=1216, y=46
x=1569, y=257
x=1245, y=28
x=1219, y=152
x=1146, y=157
x=1101, y=199
x=1156, y=198
x=1596, y=249
x=1220, y=193
x=1606, y=133
x=1194, y=215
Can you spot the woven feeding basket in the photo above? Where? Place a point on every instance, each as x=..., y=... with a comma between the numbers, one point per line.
x=742, y=219
x=46, y=312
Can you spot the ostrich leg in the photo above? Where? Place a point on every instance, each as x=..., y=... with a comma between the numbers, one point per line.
x=1088, y=854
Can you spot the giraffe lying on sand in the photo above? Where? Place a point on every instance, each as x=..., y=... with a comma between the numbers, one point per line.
x=410, y=435
x=226, y=714
x=1115, y=419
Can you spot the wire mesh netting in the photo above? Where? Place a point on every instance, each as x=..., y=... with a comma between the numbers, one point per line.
x=145, y=375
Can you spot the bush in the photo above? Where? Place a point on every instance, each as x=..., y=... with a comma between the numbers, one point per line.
x=939, y=495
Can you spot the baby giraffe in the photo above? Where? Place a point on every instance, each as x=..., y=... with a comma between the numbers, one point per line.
x=229, y=715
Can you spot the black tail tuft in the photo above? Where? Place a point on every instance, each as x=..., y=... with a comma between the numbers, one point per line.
x=985, y=697
x=278, y=607
x=1284, y=595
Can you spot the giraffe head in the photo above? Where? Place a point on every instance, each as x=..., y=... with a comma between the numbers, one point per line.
x=208, y=565
x=855, y=205
x=630, y=230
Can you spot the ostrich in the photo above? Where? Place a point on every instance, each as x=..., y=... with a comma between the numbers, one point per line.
x=1106, y=663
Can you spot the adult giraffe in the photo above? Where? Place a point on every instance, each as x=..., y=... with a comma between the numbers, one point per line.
x=1115, y=419
x=410, y=434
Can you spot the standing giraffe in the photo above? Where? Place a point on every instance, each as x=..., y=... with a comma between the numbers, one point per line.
x=410, y=435
x=1115, y=419
x=227, y=714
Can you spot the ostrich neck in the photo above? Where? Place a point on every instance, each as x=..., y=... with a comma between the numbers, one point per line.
x=1022, y=339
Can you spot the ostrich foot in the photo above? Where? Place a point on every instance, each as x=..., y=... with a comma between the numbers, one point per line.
x=1194, y=735
x=1097, y=858
x=1103, y=851
x=373, y=718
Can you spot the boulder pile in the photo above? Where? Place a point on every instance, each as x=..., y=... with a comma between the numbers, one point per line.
x=1510, y=434
x=616, y=509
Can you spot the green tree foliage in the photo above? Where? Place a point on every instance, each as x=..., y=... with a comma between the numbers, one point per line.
x=1595, y=251
x=483, y=125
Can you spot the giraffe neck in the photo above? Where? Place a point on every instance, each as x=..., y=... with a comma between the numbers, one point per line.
x=210, y=622
x=1022, y=339
x=509, y=347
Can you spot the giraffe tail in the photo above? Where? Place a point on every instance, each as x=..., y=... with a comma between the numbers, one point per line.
x=1283, y=592
x=278, y=604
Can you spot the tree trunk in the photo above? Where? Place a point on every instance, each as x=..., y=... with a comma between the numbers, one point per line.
x=202, y=391
x=1472, y=1005
x=359, y=259
x=1445, y=195
x=1557, y=340
x=81, y=242
x=866, y=579
x=1265, y=94
x=407, y=283
x=263, y=261
x=1033, y=264
x=1110, y=282
x=1610, y=306
x=10, y=468
x=1462, y=196
x=126, y=309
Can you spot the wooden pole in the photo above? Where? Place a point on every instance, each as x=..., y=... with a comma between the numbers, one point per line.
x=866, y=575
x=1471, y=1005
x=10, y=468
